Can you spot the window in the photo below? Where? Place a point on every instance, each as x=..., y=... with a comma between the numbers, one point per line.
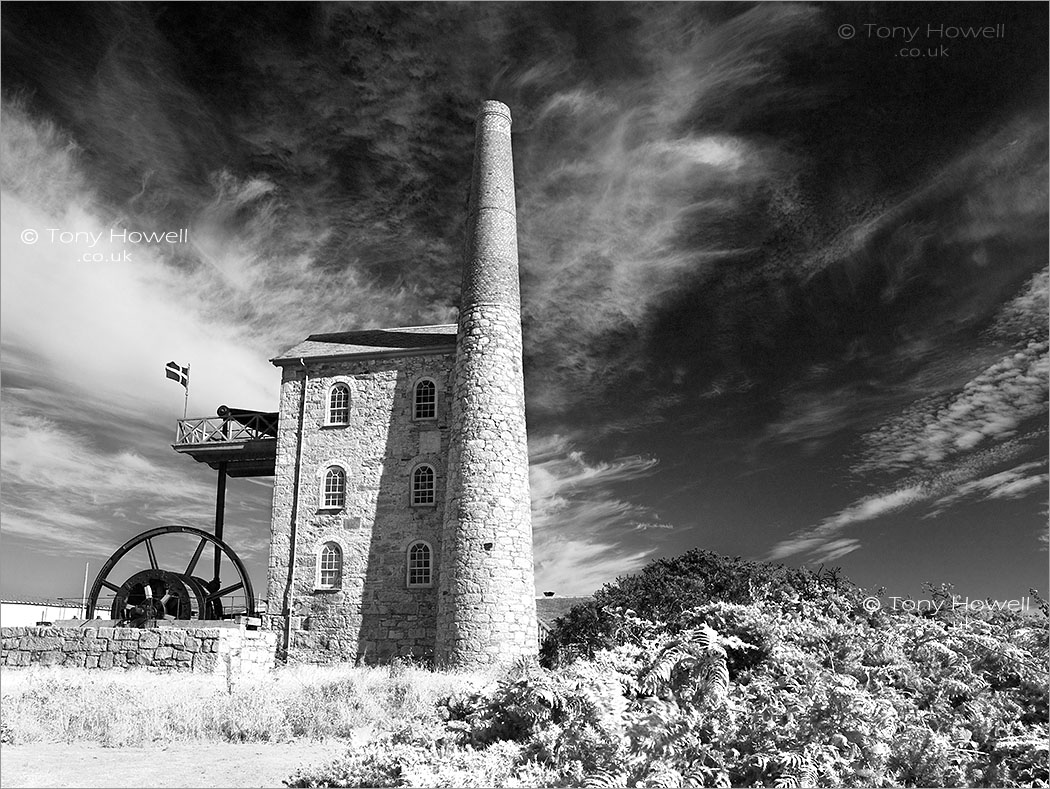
x=425, y=400
x=339, y=405
x=334, y=488
x=423, y=485
x=329, y=566
x=419, y=564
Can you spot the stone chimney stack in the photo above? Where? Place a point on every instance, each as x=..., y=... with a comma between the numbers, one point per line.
x=486, y=597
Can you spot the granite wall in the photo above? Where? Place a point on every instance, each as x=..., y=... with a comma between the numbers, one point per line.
x=370, y=614
x=486, y=602
x=207, y=650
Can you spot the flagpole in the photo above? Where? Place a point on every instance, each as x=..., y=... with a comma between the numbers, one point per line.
x=186, y=402
x=86, y=566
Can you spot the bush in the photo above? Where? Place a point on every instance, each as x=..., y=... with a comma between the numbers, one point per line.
x=782, y=688
x=403, y=760
x=666, y=588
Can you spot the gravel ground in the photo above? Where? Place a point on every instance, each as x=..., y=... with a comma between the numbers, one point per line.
x=49, y=764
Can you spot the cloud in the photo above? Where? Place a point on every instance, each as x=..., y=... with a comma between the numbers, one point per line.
x=952, y=447
x=719, y=208
x=647, y=526
x=582, y=526
x=811, y=417
x=579, y=567
x=1009, y=484
x=108, y=325
x=965, y=479
x=84, y=345
x=821, y=540
x=835, y=549
x=628, y=203
x=63, y=491
x=987, y=193
x=990, y=408
x=1023, y=318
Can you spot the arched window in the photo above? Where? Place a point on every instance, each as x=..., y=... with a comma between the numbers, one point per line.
x=419, y=565
x=425, y=400
x=334, y=487
x=339, y=405
x=329, y=566
x=423, y=485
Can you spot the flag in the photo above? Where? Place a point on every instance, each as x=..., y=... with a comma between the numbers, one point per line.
x=177, y=373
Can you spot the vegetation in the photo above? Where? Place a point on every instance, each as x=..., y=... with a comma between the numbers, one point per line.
x=765, y=677
x=740, y=674
x=666, y=588
x=137, y=707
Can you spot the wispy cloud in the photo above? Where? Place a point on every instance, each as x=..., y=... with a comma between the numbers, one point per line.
x=952, y=448
x=1009, y=484
x=627, y=202
x=968, y=478
x=582, y=524
x=61, y=487
x=823, y=542
x=730, y=222
x=990, y=408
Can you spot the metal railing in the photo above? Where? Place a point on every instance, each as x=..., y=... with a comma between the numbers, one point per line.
x=249, y=427
x=233, y=605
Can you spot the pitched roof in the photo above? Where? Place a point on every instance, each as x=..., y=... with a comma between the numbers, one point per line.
x=550, y=608
x=46, y=602
x=401, y=341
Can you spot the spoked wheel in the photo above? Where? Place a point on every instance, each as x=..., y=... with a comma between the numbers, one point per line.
x=172, y=591
x=157, y=594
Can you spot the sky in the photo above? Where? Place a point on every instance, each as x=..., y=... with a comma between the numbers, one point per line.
x=784, y=266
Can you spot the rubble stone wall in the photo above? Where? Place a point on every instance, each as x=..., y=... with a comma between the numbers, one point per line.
x=371, y=614
x=211, y=650
x=486, y=602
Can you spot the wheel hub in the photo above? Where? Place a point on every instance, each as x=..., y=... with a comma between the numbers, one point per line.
x=157, y=594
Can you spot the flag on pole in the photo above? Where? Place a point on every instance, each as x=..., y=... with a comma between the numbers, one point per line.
x=177, y=373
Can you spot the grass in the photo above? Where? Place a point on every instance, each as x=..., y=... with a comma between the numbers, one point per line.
x=134, y=708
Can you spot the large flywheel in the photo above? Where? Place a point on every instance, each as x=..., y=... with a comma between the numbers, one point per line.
x=168, y=587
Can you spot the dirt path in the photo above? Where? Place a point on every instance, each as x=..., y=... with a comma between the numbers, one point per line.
x=196, y=765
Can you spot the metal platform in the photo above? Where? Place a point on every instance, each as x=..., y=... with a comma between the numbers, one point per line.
x=244, y=442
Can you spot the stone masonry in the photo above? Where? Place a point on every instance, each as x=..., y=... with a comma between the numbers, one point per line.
x=207, y=650
x=479, y=606
x=486, y=601
x=371, y=614
x=344, y=581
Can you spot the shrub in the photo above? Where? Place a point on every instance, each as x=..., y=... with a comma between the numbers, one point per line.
x=400, y=759
x=819, y=693
x=666, y=588
x=780, y=689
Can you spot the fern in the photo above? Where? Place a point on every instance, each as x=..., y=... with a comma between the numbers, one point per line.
x=605, y=779
x=791, y=691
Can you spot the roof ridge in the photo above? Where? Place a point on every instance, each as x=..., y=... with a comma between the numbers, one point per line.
x=383, y=342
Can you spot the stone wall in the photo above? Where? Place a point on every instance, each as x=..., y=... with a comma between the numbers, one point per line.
x=487, y=607
x=208, y=650
x=371, y=614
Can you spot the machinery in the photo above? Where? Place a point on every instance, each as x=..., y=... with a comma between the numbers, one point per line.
x=165, y=580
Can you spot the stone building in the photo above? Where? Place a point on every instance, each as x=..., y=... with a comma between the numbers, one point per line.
x=401, y=513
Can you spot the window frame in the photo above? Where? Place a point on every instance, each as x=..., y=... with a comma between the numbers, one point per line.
x=412, y=489
x=324, y=505
x=429, y=584
x=336, y=550
x=328, y=420
x=415, y=400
